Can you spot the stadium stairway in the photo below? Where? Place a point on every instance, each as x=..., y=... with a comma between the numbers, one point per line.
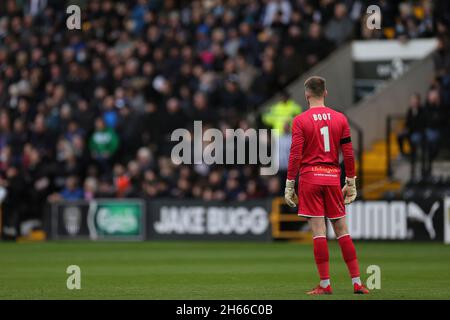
x=376, y=181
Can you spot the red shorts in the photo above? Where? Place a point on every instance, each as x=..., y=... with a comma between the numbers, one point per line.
x=320, y=201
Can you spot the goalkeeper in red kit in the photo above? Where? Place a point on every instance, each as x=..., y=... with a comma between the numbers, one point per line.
x=317, y=136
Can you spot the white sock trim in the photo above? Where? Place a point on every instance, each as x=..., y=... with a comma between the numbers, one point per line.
x=325, y=283
x=356, y=280
x=316, y=237
x=343, y=236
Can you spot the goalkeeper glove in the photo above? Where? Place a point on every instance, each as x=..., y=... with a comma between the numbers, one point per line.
x=349, y=190
x=289, y=193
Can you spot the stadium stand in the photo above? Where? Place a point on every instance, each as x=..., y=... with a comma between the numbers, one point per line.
x=89, y=113
x=427, y=130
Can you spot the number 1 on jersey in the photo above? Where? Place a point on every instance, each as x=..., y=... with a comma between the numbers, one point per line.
x=326, y=138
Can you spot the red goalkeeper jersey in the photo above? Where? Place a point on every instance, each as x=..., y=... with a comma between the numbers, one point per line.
x=317, y=136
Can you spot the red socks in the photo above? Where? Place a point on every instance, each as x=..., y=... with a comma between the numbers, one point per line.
x=321, y=257
x=349, y=255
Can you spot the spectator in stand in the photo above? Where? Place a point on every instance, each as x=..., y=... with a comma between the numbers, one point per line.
x=253, y=190
x=122, y=182
x=413, y=131
x=281, y=113
x=264, y=85
x=289, y=65
x=39, y=179
x=17, y=141
x=41, y=138
x=14, y=204
x=232, y=98
x=340, y=28
x=273, y=187
x=434, y=120
x=90, y=188
x=275, y=7
x=72, y=191
x=103, y=144
x=317, y=47
x=5, y=135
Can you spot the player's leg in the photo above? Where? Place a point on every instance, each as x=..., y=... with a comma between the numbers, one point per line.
x=321, y=255
x=335, y=211
x=348, y=253
x=348, y=249
x=311, y=206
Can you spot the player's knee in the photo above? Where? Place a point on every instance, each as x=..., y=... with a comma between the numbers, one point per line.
x=339, y=232
x=318, y=227
x=340, y=227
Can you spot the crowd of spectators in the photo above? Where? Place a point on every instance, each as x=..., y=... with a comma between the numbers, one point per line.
x=427, y=122
x=88, y=113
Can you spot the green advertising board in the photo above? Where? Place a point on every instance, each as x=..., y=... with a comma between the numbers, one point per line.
x=116, y=219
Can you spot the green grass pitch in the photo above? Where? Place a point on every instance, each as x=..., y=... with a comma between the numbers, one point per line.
x=215, y=270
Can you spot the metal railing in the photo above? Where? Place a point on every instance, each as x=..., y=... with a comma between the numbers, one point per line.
x=286, y=224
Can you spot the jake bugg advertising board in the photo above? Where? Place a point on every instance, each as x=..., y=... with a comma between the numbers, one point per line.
x=199, y=220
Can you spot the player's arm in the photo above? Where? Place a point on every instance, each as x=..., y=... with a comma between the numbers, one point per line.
x=295, y=159
x=349, y=189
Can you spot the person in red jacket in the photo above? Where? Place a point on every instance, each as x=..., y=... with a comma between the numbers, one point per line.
x=318, y=135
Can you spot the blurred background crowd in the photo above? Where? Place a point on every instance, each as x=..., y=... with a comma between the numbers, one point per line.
x=88, y=113
x=426, y=134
